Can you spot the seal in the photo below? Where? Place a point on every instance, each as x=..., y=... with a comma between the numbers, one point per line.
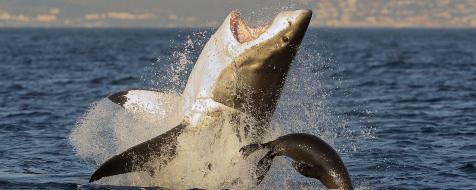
x=312, y=157
x=241, y=70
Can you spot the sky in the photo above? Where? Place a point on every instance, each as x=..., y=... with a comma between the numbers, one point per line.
x=210, y=13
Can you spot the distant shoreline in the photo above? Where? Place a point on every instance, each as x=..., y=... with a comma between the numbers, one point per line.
x=211, y=28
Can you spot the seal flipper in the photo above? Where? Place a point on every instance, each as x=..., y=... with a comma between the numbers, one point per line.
x=136, y=158
x=250, y=149
x=264, y=165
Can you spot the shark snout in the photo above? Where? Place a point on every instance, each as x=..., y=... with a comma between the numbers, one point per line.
x=298, y=17
x=298, y=22
x=306, y=13
x=303, y=14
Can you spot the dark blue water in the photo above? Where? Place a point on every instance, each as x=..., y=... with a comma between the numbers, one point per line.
x=415, y=90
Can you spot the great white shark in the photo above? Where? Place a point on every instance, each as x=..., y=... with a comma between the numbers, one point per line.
x=241, y=70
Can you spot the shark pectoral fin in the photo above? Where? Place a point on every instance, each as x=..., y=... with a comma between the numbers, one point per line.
x=135, y=158
x=149, y=101
x=264, y=165
x=306, y=170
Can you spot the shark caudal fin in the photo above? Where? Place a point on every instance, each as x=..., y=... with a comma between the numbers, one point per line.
x=135, y=158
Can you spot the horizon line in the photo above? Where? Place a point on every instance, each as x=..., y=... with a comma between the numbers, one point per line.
x=205, y=27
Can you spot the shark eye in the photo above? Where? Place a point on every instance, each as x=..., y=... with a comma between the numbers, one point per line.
x=285, y=39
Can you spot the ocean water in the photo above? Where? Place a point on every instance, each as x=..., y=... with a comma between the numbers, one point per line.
x=398, y=105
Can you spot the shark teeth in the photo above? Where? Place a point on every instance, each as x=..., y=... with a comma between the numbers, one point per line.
x=242, y=31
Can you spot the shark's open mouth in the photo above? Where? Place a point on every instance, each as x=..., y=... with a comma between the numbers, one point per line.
x=244, y=32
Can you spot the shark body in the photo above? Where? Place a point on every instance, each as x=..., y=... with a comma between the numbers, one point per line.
x=240, y=73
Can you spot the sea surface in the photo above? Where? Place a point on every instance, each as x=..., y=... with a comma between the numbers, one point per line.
x=405, y=99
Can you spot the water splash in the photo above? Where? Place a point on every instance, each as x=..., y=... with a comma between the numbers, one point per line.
x=107, y=129
x=169, y=73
